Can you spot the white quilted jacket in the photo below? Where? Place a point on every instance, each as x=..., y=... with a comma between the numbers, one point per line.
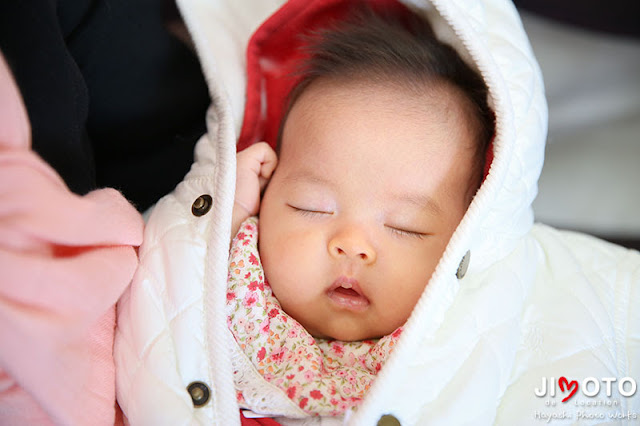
x=535, y=305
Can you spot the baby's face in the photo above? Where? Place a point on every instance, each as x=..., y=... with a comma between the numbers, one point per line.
x=372, y=181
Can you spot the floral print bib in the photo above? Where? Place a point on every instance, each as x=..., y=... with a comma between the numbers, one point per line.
x=279, y=368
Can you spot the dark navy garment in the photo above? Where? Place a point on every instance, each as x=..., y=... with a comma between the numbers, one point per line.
x=114, y=99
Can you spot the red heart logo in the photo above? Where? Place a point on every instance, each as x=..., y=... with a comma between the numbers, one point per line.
x=563, y=382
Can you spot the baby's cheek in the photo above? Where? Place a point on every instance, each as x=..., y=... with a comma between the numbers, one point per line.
x=417, y=268
x=295, y=254
x=292, y=266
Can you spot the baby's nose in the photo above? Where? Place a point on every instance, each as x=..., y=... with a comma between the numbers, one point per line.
x=353, y=245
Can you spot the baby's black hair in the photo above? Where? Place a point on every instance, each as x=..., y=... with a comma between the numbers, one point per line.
x=392, y=44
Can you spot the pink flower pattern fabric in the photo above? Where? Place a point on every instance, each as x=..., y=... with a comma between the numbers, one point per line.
x=322, y=377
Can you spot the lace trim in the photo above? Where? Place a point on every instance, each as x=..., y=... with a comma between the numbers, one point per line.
x=258, y=395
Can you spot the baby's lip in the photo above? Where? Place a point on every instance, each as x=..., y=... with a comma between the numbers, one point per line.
x=347, y=294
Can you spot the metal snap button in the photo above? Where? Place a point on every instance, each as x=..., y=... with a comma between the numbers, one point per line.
x=199, y=393
x=464, y=265
x=201, y=205
x=388, y=420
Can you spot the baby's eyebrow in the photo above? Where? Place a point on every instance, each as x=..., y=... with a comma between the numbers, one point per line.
x=422, y=201
x=308, y=176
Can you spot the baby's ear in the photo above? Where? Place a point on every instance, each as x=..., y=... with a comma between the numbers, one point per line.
x=15, y=131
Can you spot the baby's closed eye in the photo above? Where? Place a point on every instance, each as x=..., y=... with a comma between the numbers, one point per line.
x=309, y=210
x=405, y=232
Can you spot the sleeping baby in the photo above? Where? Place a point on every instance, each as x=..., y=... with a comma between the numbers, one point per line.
x=385, y=266
x=381, y=150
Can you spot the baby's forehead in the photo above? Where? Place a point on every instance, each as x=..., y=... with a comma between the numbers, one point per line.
x=361, y=97
x=400, y=133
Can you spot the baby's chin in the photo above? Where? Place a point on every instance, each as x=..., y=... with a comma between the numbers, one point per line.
x=344, y=334
x=342, y=328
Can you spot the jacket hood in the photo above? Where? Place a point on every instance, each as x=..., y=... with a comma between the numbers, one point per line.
x=249, y=50
x=489, y=35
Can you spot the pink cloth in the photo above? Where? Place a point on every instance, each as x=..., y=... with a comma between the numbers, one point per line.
x=64, y=262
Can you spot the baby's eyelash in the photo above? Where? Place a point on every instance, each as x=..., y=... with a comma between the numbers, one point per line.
x=406, y=233
x=396, y=231
x=306, y=212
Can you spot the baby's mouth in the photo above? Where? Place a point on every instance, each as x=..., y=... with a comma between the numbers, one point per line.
x=346, y=293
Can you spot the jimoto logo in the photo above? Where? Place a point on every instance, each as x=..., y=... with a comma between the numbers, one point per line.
x=590, y=387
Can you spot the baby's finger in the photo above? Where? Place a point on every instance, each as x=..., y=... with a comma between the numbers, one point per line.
x=269, y=161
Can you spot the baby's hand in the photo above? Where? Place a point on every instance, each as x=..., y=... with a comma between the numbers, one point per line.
x=255, y=165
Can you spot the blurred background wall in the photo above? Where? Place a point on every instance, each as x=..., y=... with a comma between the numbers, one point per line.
x=589, y=52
